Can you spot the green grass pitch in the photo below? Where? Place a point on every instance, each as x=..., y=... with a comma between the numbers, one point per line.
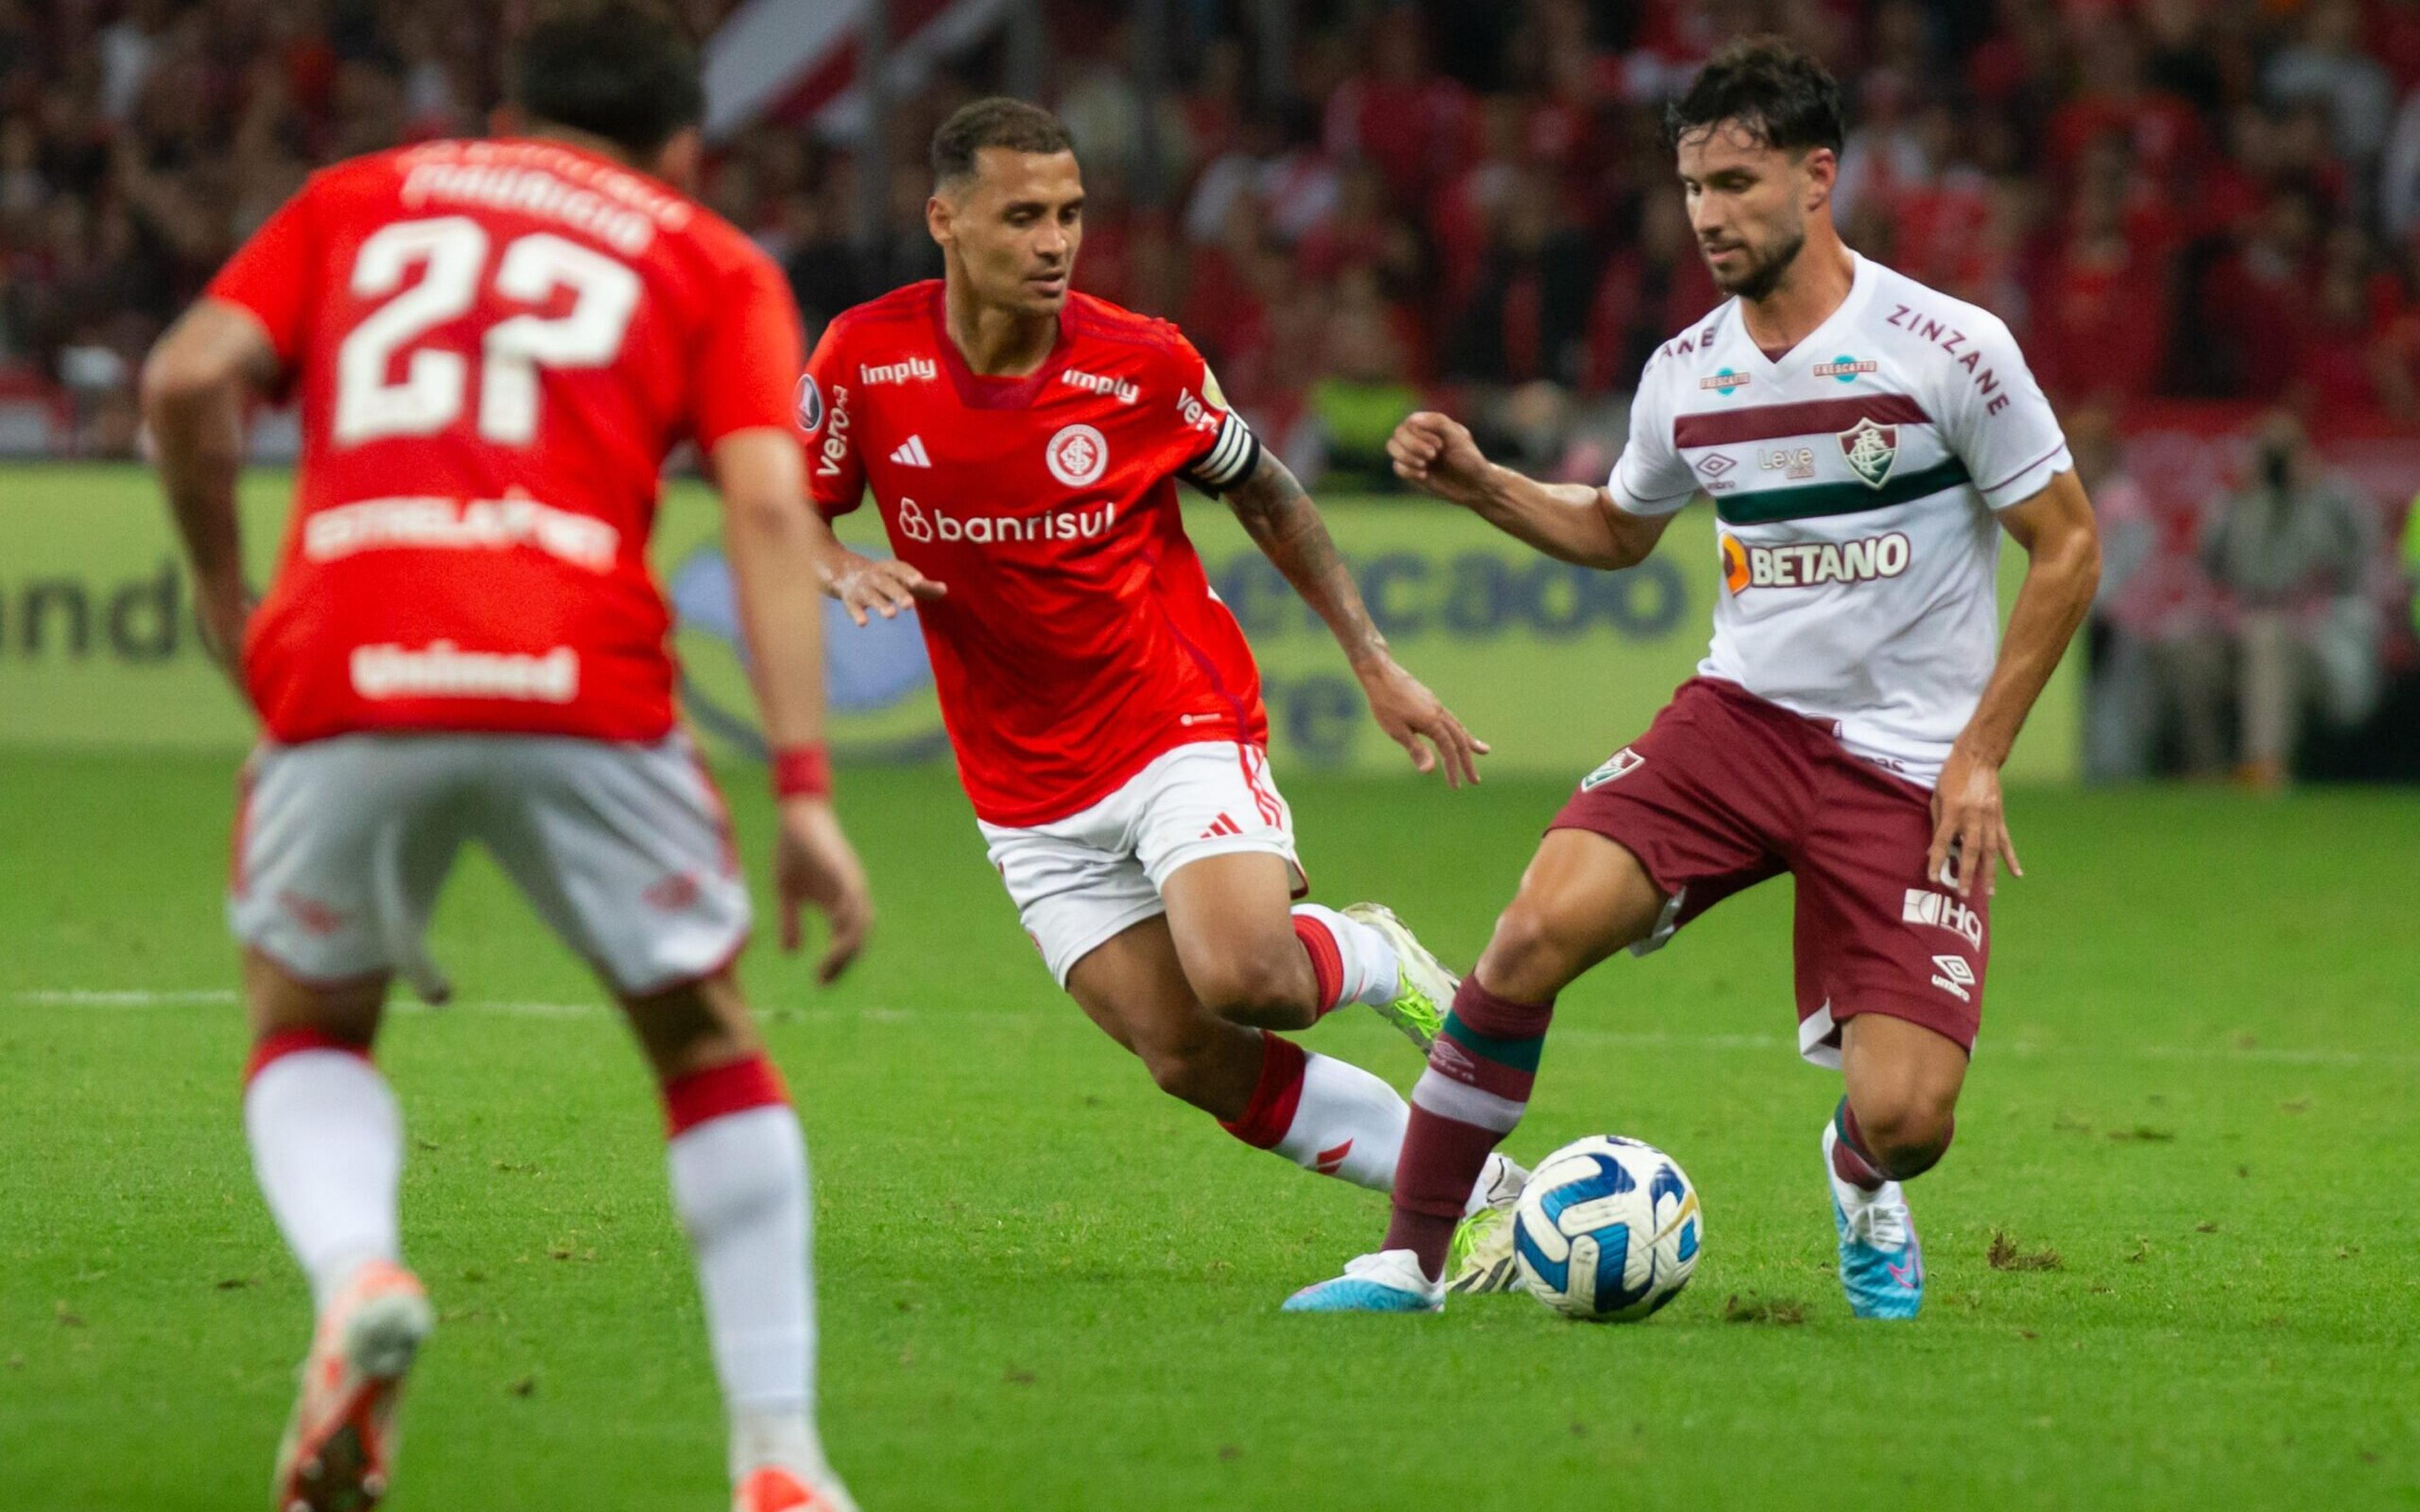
x=1046, y=1286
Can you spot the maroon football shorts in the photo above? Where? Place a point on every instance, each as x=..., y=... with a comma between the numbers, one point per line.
x=1725, y=790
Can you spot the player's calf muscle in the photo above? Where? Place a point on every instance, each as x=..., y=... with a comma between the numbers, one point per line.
x=280, y=1002
x=694, y=1027
x=1215, y=1072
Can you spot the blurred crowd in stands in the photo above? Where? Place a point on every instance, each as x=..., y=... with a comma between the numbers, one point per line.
x=1467, y=202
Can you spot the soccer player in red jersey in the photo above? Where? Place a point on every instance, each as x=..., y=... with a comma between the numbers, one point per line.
x=1023, y=444
x=494, y=345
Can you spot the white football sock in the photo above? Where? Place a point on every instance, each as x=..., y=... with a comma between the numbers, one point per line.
x=1347, y=1124
x=740, y=1183
x=327, y=1148
x=1371, y=973
x=1350, y=1125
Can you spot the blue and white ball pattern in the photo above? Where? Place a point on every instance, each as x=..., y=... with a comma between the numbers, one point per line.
x=1607, y=1231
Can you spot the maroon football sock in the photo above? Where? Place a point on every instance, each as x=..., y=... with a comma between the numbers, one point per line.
x=1852, y=1162
x=1479, y=1076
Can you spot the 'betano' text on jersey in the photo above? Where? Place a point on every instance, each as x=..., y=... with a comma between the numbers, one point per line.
x=1854, y=482
x=1079, y=638
x=494, y=345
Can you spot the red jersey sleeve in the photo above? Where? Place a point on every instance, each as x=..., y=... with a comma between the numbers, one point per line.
x=275, y=274
x=745, y=365
x=1221, y=450
x=835, y=472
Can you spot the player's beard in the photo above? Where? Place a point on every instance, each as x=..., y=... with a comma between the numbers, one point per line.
x=1763, y=274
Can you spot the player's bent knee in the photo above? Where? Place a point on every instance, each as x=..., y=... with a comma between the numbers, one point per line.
x=1907, y=1131
x=1257, y=992
x=1530, y=957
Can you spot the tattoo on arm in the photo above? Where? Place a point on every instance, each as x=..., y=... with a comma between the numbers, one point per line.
x=1277, y=514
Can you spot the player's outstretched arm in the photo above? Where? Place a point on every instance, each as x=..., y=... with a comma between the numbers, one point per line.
x=770, y=534
x=1569, y=521
x=195, y=387
x=2062, y=568
x=1279, y=517
x=863, y=584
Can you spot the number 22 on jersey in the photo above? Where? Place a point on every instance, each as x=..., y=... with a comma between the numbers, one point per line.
x=433, y=390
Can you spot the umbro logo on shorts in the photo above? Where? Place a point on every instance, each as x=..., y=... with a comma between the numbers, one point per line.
x=912, y=452
x=1952, y=975
x=1621, y=764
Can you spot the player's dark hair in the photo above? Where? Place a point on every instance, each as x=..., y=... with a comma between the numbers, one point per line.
x=622, y=70
x=996, y=122
x=1779, y=94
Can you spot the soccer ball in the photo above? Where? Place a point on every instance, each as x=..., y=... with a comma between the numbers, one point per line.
x=1607, y=1231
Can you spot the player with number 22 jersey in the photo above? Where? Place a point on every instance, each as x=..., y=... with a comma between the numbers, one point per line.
x=493, y=346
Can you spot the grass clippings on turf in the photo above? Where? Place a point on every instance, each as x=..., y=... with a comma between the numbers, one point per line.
x=1738, y=1309
x=2003, y=1254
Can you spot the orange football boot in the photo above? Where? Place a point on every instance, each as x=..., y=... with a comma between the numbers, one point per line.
x=338, y=1454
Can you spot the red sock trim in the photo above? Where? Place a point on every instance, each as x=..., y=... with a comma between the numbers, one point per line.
x=285, y=1042
x=1326, y=960
x=704, y=1095
x=1270, y=1113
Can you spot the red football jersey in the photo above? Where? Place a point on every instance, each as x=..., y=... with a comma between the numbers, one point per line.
x=494, y=345
x=1079, y=638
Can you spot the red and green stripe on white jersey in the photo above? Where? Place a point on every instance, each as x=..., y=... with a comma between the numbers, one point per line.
x=1865, y=451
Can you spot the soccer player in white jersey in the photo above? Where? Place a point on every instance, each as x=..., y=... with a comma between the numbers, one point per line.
x=1866, y=440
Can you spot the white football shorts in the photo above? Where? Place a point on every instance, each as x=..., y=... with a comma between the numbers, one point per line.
x=1081, y=881
x=342, y=845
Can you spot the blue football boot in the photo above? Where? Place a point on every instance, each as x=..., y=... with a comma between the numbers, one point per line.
x=1882, y=1264
x=1390, y=1281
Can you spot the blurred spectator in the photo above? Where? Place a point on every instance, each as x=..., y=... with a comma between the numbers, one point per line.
x=1366, y=391
x=1278, y=162
x=2291, y=548
x=2100, y=328
x=1527, y=317
x=2347, y=361
x=1412, y=123
x=1653, y=286
x=2399, y=177
x=2154, y=661
x=2253, y=303
x=2326, y=63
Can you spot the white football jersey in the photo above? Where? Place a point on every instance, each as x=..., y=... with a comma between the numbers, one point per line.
x=1854, y=482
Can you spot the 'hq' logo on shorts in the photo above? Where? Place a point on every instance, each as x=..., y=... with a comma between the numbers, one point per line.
x=1722, y=381
x=1942, y=911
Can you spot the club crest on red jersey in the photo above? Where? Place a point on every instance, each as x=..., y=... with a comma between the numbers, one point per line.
x=1871, y=451
x=1078, y=456
x=809, y=404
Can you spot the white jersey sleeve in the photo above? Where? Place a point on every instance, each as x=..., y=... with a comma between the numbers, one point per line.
x=1997, y=421
x=1650, y=478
